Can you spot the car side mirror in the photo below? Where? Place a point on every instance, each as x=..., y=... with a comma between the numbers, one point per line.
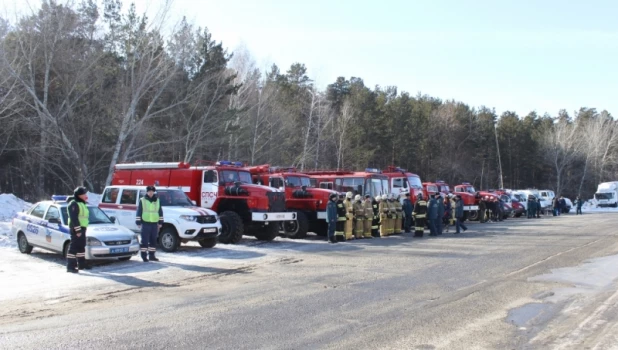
x=54, y=221
x=112, y=219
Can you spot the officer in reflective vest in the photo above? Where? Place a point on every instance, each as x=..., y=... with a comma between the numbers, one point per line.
x=78, y=222
x=341, y=219
x=149, y=219
x=419, y=213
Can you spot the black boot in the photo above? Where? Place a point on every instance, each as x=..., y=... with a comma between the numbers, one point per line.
x=152, y=257
x=71, y=265
x=82, y=265
x=144, y=256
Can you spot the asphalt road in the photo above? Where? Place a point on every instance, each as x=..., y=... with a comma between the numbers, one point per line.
x=476, y=290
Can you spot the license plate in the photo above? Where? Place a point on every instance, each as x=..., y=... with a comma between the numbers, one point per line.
x=118, y=250
x=210, y=230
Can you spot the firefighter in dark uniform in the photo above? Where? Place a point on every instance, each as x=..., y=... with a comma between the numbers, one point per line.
x=407, y=212
x=375, y=224
x=482, y=210
x=332, y=217
x=341, y=219
x=78, y=223
x=149, y=219
x=419, y=214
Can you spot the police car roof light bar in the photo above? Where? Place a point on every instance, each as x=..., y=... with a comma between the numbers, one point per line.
x=59, y=198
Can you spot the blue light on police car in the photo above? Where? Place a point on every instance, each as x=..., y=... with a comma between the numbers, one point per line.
x=225, y=162
x=59, y=198
x=238, y=163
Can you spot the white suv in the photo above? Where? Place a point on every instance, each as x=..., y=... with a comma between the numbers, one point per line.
x=183, y=220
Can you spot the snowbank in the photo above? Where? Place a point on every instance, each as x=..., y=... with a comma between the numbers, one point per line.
x=94, y=198
x=6, y=238
x=11, y=205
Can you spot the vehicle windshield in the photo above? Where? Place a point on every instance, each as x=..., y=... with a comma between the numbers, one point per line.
x=351, y=184
x=96, y=216
x=375, y=186
x=415, y=182
x=602, y=195
x=469, y=189
x=298, y=181
x=173, y=198
x=444, y=188
x=432, y=188
x=231, y=176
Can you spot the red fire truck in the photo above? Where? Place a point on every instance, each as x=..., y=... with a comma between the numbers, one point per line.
x=225, y=187
x=309, y=203
x=371, y=181
x=429, y=188
x=402, y=181
x=471, y=198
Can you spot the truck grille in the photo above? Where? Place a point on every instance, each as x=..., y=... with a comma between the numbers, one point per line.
x=117, y=242
x=207, y=219
x=276, y=201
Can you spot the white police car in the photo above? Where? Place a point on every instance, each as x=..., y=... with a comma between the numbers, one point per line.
x=44, y=226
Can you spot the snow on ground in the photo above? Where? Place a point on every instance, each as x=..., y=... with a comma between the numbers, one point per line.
x=594, y=276
x=6, y=238
x=11, y=205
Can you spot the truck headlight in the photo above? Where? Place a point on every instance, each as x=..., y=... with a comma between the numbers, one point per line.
x=136, y=237
x=188, y=217
x=91, y=241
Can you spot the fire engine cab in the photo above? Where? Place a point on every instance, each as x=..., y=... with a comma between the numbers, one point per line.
x=309, y=203
x=371, y=181
x=401, y=181
x=225, y=187
x=471, y=198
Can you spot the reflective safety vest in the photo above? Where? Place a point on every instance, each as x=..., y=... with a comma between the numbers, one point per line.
x=150, y=210
x=83, y=216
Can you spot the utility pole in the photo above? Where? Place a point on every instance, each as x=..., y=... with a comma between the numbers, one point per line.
x=499, y=161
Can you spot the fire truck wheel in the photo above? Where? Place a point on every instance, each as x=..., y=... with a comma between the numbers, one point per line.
x=208, y=242
x=168, y=239
x=297, y=229
x=471, y=215
x=268, y=232
x=231, y=228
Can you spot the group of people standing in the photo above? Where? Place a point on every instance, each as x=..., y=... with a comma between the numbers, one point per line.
x=490, y=209
x=354, y=217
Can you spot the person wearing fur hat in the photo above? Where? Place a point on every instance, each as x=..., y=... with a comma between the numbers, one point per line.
x=78, y=223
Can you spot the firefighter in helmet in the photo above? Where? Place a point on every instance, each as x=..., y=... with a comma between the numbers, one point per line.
x=359, y=217
x=78, y=223
x=349, y=215
x=368, y=206
x=392, y=214
x=375, y=224
x=419, y=214
x=398, y=215
x=341, y=219
x=384, y=209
